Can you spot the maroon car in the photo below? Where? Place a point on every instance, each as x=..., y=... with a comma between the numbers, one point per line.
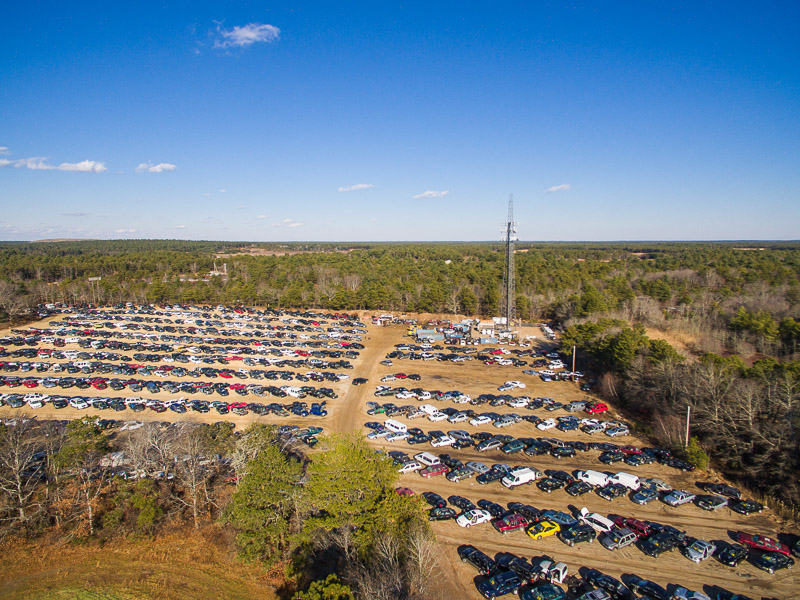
x=510, y=523
x=761, y=542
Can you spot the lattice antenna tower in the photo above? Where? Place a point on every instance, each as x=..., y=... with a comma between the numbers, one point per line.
x=509, y=274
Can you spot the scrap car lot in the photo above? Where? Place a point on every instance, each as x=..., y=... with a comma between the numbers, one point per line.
x=369, y=345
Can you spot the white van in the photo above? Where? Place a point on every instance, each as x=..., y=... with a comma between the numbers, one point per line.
x=82, y=364
x=427, y=459
x=596, y=521
x=629, y=481
x=395, y=426
x=595, y=478
x=520, y=476
x=428, y=409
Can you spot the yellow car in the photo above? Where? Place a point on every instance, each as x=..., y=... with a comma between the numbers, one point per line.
x=543, y=529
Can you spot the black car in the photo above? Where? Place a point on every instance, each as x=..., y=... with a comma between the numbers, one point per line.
x=659, y=528
x=434, y=499
x=479, y=560
x=490, y=476
x=721, y=489
x=677, y=463
x=441, y=513
x=577, y=534
x=579, y=488
x=710, y=502
x=565, y=452
x=611, y=491
x=461, y=503
x=526, y=510
x=560, y=475
x=548, y=484
x=732, y=554
x=648, y=588
x=745, y=507
x=615, y=588
x=359, y=381
x=493, y=508
x=658, y=543
x=526, y=571
x=537, y=449
x=505, y=582
x=773, y=561
x=610, y=457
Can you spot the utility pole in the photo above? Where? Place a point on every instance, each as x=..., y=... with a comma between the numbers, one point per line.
x=91, y=281
x=688, y=417
x=573, y=362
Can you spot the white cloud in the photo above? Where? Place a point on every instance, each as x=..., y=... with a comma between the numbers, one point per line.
x=432, y=194
x=178, y=227
x=4, y=150
x=37, y=163
x=356, y=187
x=295, y=224
x=261, y=217
x=76, y=213
x=247, y=35
x=149, y=167
x=85, y=166
x=222, y=191
x=373, y=220
x=125, y=231
x=290, y=223
x=557, y=188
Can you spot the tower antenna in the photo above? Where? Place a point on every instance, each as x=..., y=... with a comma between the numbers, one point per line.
x=509, y=275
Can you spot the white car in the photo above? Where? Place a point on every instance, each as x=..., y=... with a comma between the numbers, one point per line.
x=424, y=395
x=404, y=395
x=518, y=403
x=409, y=467
x=484, y=420
x=472, y=517
x=546, y=424
x=445, y=440
x=437, y=416
x=516, y=384
x=78, y=403
x=397, y=436
x=415, y=414
x=681, y=593
x=699, y=550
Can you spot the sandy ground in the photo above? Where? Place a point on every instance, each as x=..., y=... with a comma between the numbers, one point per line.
x=348, y=413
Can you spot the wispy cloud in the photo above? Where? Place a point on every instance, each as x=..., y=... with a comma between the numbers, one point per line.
x=38, y=163
x=76, y=214
x=261, y=217
x=4, y=150
x=432, y=194
x=178, y=227
x=290, y=223
x=242, y=36
x=125, y=231
x=149, y=167
x=356, y=187
x=557, y=188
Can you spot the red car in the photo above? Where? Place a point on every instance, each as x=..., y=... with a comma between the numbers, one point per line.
x=437, y=469
x=404, y=491
x=596, y=407
x=630, y=450
x=510, y=523
x=761, y=542
x=640, y=528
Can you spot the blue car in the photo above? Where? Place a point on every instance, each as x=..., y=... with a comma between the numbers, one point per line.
x=505, y=582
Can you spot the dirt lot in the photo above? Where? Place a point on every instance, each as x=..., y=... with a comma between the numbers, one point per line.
x=348, y=413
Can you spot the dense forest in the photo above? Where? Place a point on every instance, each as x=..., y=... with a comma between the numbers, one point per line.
x=731, y=313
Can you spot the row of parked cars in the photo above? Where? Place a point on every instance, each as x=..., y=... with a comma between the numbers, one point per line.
x=542, y=578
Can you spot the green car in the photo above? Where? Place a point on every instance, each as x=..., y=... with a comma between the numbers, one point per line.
x=546, y=591
x=513, y=446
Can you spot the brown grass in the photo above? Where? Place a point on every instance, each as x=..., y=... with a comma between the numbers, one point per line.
x=175, y=566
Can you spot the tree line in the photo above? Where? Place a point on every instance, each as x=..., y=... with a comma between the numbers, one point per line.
x=333, y=521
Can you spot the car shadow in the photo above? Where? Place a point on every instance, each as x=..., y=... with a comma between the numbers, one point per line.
x=734, y=535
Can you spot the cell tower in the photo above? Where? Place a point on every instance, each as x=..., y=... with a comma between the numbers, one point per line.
x=509, y=275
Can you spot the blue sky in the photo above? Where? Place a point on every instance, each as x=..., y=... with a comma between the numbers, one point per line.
x=414, y=121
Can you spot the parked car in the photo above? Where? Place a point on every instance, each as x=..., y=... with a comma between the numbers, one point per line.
x=773, y=561
x=731, y=555
x=473, y=517
x=544, y=591
x=682, y=593
x=762, y=542
x=443, y=513
x=618, y=538
x=505, y=582
x=658, y=543
x=648, y=588
x=479, y=560
x=510, y=522
x=745, y=507
x=710, y=503
x=614, y=587
x=543, y=529
x=577, y=535
x=678, y=498
x=434, y=499
x=698, y=550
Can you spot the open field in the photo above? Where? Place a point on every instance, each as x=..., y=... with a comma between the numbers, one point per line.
x=348, y=413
